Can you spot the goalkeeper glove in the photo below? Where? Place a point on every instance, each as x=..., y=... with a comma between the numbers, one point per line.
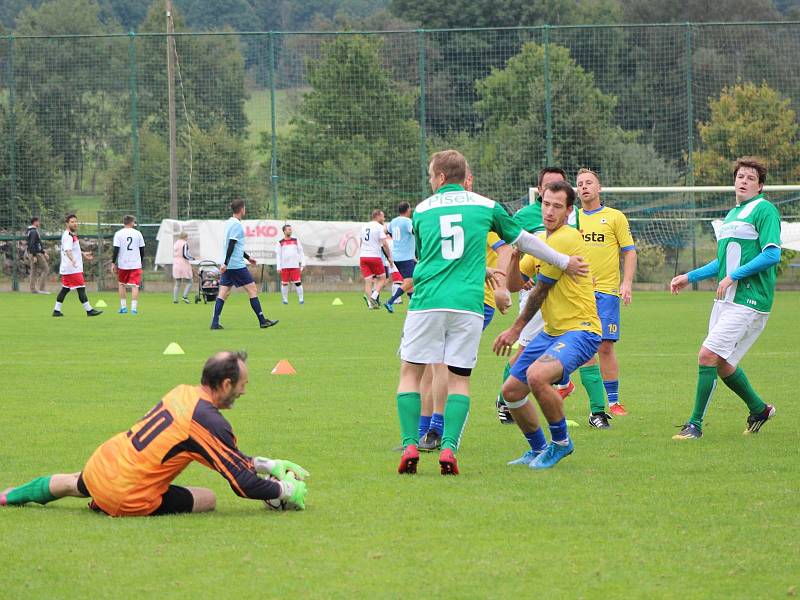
x=294, y=492
x=278, y=468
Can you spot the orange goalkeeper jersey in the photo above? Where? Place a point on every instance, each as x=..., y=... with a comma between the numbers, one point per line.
x=129, y=473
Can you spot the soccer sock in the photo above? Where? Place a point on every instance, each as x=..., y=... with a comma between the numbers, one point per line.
x=536, y=440
x=456, y=412
x=57, y=306
x=374, y=295
x=397, y=293
x=255, y=304
x=61, y=295
x=612, y=391
x=84, y=298
x=218, y=306
x=409, y=406
x=706, y=384
x=424, y=424
x=37, y=490
x=175, y=290
x=134, y=304
x=300, y=293
x=285, y=292
x=740, y=385
x=593, y=383
x=187, y=288
x=123, y=302
x=437, y=422
x=558, y=432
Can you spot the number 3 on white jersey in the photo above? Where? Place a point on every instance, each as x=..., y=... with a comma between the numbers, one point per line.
x=452, y=236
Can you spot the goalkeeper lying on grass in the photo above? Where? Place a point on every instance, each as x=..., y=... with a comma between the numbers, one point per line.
x=131, y=474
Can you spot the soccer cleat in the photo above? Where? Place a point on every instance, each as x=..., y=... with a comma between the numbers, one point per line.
x=3, y=494
x=368, y=300
x=553, y=454
x=216, y=326
x=58, y=313
x=566, y=391
x=174, y=301
x=389, y=308
x=123, y=311
x=754, y=422
x=267, y=323
x=186, y=300
x=93, y=313
x=690, y=431
x=134, y=311
x=503, y=413
x=600, y=420
x=302, y=302
x=409, y=460
x=448, y=463
x=617, y=410
x=526, y=459
x=430, y=441
x=284, y=302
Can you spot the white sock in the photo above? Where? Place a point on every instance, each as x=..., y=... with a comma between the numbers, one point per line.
x=123, y=302
x=300, y=293
x=175, y=290
x=374, y=295
x=87, y=307
x=57, y=306
x=134, y=304
x=285, y=292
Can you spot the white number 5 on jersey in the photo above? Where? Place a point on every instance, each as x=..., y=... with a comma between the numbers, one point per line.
x=452, y=236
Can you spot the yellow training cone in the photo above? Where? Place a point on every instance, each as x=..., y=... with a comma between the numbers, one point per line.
x=101, y=304
x=174, y=348
x=337, y=302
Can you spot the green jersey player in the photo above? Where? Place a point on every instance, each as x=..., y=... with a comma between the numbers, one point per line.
x=445, y=316
x=748, y=248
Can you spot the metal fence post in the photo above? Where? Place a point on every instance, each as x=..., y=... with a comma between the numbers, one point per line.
x=134, y=128
x=12, y=157
x=423, y=146
x=690, y=138
x=273, y=168
x=548, y=92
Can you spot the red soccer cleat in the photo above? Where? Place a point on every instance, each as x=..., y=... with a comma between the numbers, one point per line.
x=3, y=494
x=409, y=460
x=566, y=391
x=617, y=410
x=448, y=463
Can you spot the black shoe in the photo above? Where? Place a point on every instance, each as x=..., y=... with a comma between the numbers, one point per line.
x=754, y=422
x=600, y=420
x=93, y=313
x=217, y=326
x=174, y=301
x=58, y=313
x=503, y=413
x=430, y=441
x=267, y=323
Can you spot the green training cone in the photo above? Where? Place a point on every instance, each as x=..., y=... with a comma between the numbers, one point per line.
x=174, y=348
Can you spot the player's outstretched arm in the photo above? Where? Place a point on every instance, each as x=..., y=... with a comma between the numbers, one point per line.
x=571, y=265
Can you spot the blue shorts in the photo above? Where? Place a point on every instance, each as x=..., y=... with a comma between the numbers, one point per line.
x=236, y=277
x=571, y=349
x=406, y=268
x=608, y=311
x=488, y=315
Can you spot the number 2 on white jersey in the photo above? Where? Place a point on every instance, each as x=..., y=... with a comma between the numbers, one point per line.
x=452, y=236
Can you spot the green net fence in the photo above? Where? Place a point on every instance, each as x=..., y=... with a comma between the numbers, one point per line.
x=330, y=125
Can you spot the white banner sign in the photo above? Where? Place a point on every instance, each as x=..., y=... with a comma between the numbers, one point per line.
x=331, y=243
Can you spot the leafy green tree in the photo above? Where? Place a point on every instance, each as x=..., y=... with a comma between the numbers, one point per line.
x=210, y=79
x=221, y=171
x=749, y=120
x=354, y=143
x=38, y=186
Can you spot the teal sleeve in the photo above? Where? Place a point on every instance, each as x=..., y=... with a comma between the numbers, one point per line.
x=705, y=272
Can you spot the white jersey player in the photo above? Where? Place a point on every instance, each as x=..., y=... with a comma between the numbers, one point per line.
x=290, y=262
x=374, y=244
x=127, y=263
x=71, y=269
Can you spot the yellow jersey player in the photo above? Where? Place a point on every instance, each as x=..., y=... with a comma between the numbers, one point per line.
x=608, y=237
x=570, y=337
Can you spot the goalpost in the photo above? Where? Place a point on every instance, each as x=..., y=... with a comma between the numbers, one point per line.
x=673, y=226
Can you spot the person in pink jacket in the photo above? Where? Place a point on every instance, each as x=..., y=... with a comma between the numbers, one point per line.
x=181, y=268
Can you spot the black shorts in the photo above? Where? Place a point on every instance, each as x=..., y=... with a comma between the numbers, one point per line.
x=176, y=500
x=406, y=268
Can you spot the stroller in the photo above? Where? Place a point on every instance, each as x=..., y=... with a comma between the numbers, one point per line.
x=209, y=282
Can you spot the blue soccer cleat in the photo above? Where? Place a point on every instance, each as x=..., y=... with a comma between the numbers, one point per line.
x=134, y=311
x=526, y=459
x=123, y=311
x=389, y=308
x=553, y=454
x=690, y=431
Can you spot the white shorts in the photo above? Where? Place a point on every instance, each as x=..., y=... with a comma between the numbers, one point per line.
x=442, y=336
x=732, y=329
x=534, y=327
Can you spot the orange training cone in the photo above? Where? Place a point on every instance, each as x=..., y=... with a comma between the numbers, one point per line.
x=284, y=367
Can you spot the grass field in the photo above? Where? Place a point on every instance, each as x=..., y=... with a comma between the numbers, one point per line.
x=630, y=514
